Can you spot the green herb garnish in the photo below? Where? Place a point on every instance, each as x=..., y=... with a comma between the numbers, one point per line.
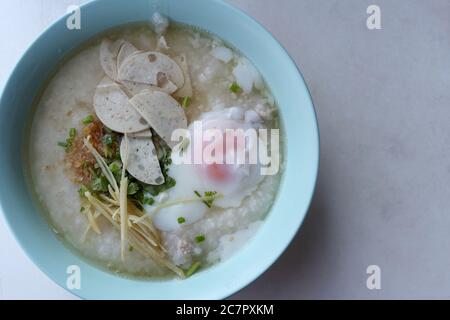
x=68, y=143
x=133, y=187
x=115, y=166
x=88, y=119
x=169, y=182
x=185, y=102
x=209, y=195
x=100, y=184
x=166, y=160
x=116, y=169
x=82, y=209
x=83, y=189
x=72, y=133
x=107, y=140
x=193, y=268
x=199, y=238
x=235, y=88
x=181, y=220
x=130, y=248
x=63, y=144
x=149, y=201
x=138, y=197
x=154, y=190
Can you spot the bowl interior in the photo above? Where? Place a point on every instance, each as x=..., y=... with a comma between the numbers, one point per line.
x=301, y=142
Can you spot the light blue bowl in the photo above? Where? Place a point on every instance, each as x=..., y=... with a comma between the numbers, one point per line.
x=296, y=190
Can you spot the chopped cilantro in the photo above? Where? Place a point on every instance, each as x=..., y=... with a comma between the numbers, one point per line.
x=133, y=187
x=166, y=160
x=154, y=190
x=181, y=220
x=100, y=184
x=116, y=169
x=169, y=182
x=115, y=166
x=107, y=140
x=149, y=201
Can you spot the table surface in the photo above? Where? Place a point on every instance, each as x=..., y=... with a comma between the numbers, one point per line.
x=383, y=192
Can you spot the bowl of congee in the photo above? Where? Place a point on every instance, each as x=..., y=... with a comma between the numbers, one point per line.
x=156, y=150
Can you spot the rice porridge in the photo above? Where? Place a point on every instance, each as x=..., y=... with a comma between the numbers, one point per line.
x=103, y=160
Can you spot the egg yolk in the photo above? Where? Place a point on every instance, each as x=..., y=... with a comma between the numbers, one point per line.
x=218, y=172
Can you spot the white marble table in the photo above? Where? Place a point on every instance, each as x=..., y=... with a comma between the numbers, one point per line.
x=383, y=194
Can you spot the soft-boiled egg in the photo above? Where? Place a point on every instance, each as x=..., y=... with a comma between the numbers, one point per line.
x=231, y=180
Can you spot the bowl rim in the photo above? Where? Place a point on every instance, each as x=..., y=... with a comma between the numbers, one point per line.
x=315, y=141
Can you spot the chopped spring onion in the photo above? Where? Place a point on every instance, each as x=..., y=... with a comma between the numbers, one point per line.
x=68, y=143
x=199, y=238
x=185, y=102
x=209, y=197
x=234, y=87
x=181, y=220
x=177, y=202
x=193, y=268
x=72, y=133
x=88, y=119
